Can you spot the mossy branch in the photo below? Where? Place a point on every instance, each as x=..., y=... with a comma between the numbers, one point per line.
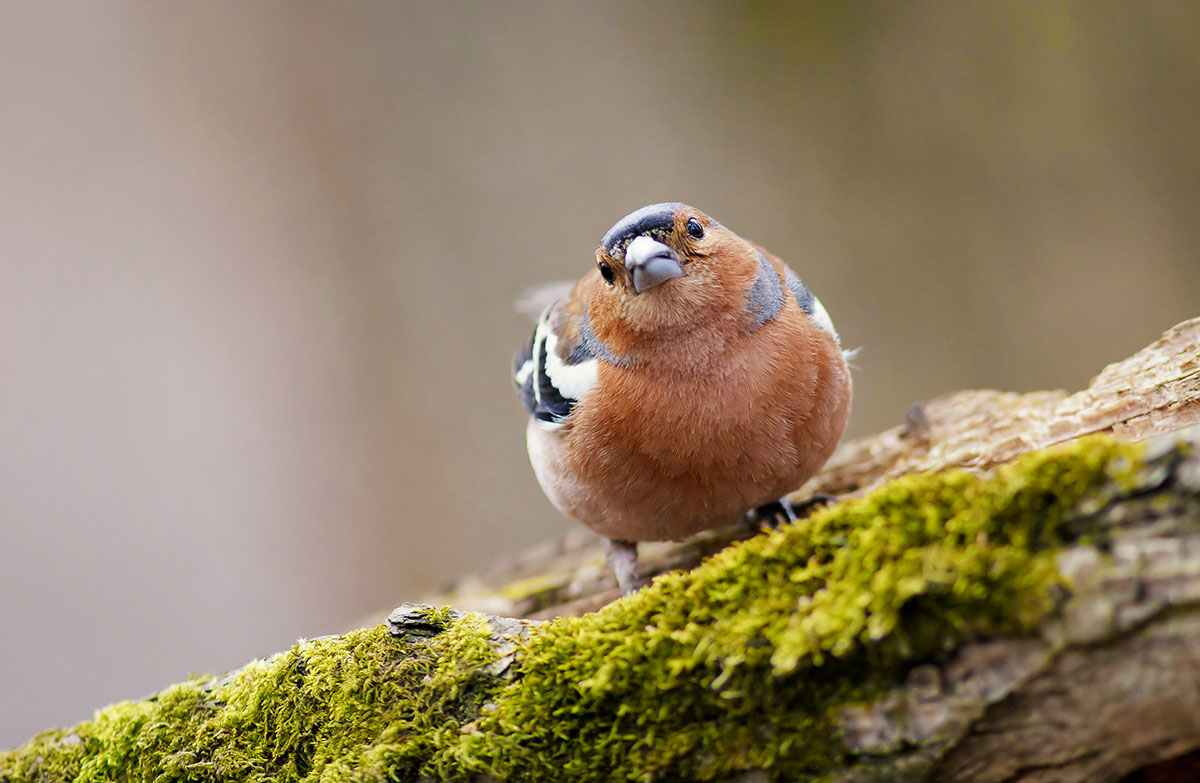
x=1031, y=621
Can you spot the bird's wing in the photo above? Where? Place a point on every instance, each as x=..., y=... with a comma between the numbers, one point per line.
x=758, y=300
x=766, y=296
x=810, y=304
x=561, y=361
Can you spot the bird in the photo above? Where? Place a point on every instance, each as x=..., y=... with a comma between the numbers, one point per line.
x=686, y=380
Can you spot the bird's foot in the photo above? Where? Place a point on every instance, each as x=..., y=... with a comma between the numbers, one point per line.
x=772, y=515
x=622, y=557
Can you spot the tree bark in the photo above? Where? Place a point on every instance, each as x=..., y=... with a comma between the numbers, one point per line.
x=1050, y=632
x=1106, y=688
x=1111, y=683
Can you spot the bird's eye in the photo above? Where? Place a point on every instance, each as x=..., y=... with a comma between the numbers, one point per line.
x=606, y=272
x=694, y=228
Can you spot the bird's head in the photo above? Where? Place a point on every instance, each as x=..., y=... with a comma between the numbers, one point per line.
x=666, y=264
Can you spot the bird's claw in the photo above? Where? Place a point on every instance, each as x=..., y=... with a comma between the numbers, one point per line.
x=777, y=512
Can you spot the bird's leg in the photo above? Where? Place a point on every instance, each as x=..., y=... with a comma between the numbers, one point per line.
x=772, y=515
x=622, y=557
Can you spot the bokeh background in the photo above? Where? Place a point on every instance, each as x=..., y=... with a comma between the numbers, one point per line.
x=257, y=260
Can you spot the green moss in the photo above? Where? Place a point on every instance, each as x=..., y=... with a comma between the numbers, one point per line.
x=331, y=709
x=737, y=664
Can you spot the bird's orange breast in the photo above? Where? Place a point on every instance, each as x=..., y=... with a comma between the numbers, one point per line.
x=698, y=430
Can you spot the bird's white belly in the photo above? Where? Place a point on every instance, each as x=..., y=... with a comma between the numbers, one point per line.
x=546, y=455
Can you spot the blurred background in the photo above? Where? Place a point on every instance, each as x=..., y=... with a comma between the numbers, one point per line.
x=257, y=260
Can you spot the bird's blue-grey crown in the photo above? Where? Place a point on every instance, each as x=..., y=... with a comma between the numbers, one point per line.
x=654, y=221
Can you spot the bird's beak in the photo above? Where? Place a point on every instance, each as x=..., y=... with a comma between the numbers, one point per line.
x=650, y=263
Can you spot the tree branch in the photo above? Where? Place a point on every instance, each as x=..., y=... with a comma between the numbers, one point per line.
x=1017, y=621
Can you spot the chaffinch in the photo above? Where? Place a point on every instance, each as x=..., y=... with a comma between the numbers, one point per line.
x=687, y=379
